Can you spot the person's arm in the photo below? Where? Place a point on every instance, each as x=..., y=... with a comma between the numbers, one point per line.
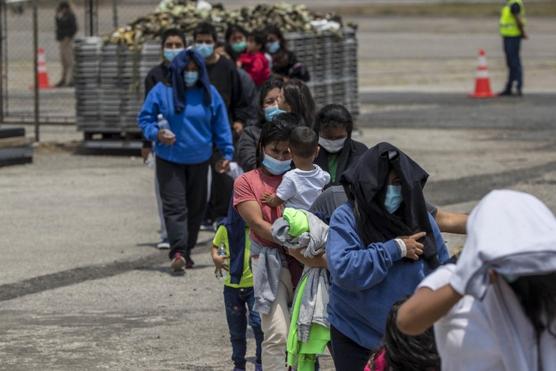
x=449, y=222
x=424, y=308
x=247, y=148
x=353, y=266
x=516, y=12
x=221, y=127
x=147, y=119
x=238, y=101
x=272, y=200
x=251, y=213
x=314, y=262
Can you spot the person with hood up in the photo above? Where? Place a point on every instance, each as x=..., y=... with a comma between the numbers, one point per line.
x=496, y=308
x=185, y=119
x=381, y=244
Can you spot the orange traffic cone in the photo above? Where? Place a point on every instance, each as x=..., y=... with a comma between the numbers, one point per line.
x=482, y=81
x=41, y=70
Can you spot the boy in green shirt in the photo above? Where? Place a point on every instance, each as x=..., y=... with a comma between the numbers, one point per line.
x=231, y=243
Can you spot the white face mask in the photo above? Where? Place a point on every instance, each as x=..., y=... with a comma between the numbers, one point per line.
x=332, y=146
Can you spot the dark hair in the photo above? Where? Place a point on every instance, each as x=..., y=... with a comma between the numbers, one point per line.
x=409, y=353
x=270, y=84
x=304, y=141
x=63, y=5
x=259, y=37
x=298, y=96
x=172, y=32
x=278, y=130
x=275, y=30
x=334, y=116
x=205, y=28
x=232, y=30
x=537, y=295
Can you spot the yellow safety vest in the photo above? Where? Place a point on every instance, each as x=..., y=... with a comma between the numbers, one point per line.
x=508, y=24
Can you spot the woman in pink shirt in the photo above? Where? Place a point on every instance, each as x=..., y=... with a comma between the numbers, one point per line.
x=274, y=271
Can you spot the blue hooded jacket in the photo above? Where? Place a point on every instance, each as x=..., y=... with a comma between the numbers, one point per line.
x=197, y=115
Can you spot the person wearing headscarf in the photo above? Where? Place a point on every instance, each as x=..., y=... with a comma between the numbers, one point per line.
x=381, y=244
x=185, y=119
x=496, y=308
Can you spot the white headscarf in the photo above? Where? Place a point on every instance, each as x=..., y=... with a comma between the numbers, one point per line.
x=510, y=232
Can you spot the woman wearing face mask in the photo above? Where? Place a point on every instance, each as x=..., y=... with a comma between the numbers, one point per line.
x=236, y=41
x=268, y=108
x=274, y=271
x=284, y=61
x=381, y=244
x=173, y=43
x=338, y=151
x=185, y=119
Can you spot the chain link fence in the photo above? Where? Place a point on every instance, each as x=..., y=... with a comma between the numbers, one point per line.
x=27, y=26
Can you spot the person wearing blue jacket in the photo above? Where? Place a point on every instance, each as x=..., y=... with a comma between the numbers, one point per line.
x=381, y=244
x=185, y=119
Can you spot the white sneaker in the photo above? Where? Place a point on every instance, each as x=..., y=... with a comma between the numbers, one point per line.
x=163, y=245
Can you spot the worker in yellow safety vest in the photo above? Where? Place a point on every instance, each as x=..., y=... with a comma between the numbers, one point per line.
x=512, y=23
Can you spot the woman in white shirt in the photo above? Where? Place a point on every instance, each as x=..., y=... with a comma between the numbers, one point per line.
x=495, y=309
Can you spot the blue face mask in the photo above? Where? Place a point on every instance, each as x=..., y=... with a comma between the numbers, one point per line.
x=271, y=112
x=170, y=54
x=190, y=78
x=275, y=166
x=273, y=47
x=393, y=198
x=205, y=50
x=239, y=47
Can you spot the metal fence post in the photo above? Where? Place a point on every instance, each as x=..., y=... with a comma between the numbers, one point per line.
x=115, y=13
x=36, y=67
x=2, y=36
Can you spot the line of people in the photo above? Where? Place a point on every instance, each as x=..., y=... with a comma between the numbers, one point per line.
x=378, y=242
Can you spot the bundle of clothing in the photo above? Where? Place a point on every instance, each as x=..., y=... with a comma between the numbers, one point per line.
x=309, y=329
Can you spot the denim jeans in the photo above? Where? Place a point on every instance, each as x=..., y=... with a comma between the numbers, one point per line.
x=238, y=302
x=513, y=61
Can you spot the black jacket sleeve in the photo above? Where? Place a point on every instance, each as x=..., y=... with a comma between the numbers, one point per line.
x=238, y=100
x=247, y=148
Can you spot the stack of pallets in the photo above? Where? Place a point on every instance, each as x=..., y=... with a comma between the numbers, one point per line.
x=110, y=82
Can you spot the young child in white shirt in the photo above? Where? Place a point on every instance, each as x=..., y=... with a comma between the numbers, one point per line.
x=301, y=186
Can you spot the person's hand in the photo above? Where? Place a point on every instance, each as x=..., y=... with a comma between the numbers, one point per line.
x=220, y=262
x=238, y=127
x=270, y=199
x=145, y=152
x=524, y=36
x=222, y=166
x=414, y=249
x=166, y=137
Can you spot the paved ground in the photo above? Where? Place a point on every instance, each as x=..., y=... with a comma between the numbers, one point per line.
x=83, y=287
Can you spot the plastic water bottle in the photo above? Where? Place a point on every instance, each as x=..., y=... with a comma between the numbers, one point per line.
x=163, y=124
x=221, y=252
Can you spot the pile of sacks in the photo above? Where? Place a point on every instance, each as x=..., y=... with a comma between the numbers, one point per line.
x=186, y=15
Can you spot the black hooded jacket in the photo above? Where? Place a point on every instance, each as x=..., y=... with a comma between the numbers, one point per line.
x=365, y=185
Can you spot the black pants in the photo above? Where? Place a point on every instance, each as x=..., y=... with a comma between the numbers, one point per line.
x=221, y=191
x=347, y=354
x=239, y=308
x=183, y=190
x=513, y=61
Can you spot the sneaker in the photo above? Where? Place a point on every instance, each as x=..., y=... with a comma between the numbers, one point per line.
x=505, y=93
x=60, y=84
x=239, y=369
x=178, y=263
x=163, y=245
x=189, y=263
x=207, y=226
x=258, y=367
